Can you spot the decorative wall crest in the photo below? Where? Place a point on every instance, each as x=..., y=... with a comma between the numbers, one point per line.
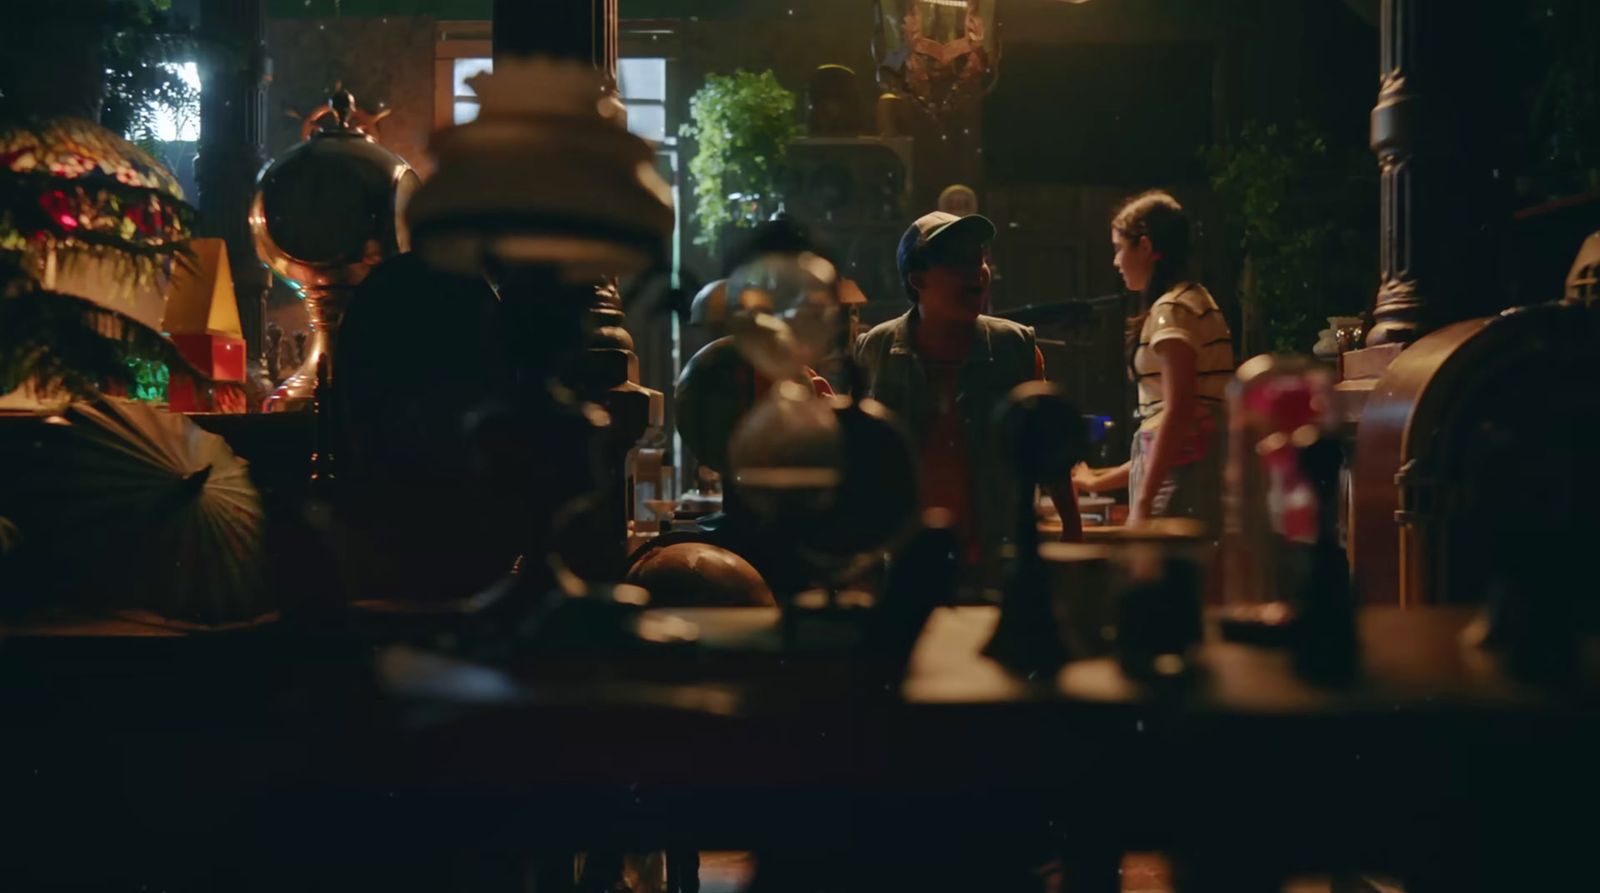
x=941, y=54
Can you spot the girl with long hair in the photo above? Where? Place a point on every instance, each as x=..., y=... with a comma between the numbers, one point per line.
x=1181, y=359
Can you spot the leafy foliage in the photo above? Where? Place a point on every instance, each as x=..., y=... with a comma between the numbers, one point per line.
x=106, y=60
x=1565, y=56
x=1304, y=217
x=144, y=45
x=742, y=124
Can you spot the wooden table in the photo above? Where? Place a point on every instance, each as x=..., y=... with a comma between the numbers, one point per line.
x=1435, y=763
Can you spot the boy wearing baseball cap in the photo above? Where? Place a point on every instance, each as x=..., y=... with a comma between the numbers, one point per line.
x=945, y=368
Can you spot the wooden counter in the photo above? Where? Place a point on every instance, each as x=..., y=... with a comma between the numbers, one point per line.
x=253, y=748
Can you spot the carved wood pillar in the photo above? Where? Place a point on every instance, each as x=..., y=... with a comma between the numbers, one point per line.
x=1446, y=113
x=1398, y=314
x=1438, y=130
x=232, y=139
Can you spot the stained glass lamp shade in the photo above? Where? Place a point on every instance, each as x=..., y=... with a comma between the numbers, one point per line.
x=90, y=226
x=85, y=212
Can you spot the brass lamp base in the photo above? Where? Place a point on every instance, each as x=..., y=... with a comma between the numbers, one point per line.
x=297, y=393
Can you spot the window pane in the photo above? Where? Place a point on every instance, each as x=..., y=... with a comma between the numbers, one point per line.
x=466, y=68
x=643, y=79
x=648, y=121
x=175, y=122
x=466, y=110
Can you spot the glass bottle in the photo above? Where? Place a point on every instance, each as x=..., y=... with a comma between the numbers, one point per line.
x=1272, y=517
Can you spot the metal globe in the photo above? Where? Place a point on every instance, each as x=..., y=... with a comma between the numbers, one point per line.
x=783, y=311
x=787, y=456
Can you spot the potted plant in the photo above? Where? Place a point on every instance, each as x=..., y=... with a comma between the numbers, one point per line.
x=742, y=125
x=1303, y=213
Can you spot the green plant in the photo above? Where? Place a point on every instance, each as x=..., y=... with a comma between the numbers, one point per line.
x=742, y=125
x=145, y=45
x=1304, y=218
x=106, y=60
x=1562, y=56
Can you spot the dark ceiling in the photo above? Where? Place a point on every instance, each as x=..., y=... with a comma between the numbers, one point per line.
x=479, y=9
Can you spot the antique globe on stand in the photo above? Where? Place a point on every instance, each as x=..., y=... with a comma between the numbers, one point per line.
x=786, y=454
x=784, y=314
x=324, y=214
x=832, y=476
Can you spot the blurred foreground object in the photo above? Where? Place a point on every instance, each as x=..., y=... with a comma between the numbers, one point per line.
x=543, y=177
x=417, y=442
x=547, y=198
x=829, y=479
x=1044, y=435
x=784, y=312
x=1277, y=407
x=1287, y=574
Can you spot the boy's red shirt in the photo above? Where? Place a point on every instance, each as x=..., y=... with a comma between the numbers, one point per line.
x=945, y=471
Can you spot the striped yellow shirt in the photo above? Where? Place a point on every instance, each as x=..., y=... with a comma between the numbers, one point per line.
x=1186, y=313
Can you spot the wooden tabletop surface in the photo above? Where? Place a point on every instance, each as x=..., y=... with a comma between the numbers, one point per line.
x=1407, y=657
x=739, y=745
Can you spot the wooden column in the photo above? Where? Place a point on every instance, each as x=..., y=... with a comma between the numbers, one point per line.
x=1400, y=308
x=1438, y=130
x=232, y=138
x=1446, y=113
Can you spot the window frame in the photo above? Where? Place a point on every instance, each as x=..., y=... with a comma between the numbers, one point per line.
x=454, y=40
